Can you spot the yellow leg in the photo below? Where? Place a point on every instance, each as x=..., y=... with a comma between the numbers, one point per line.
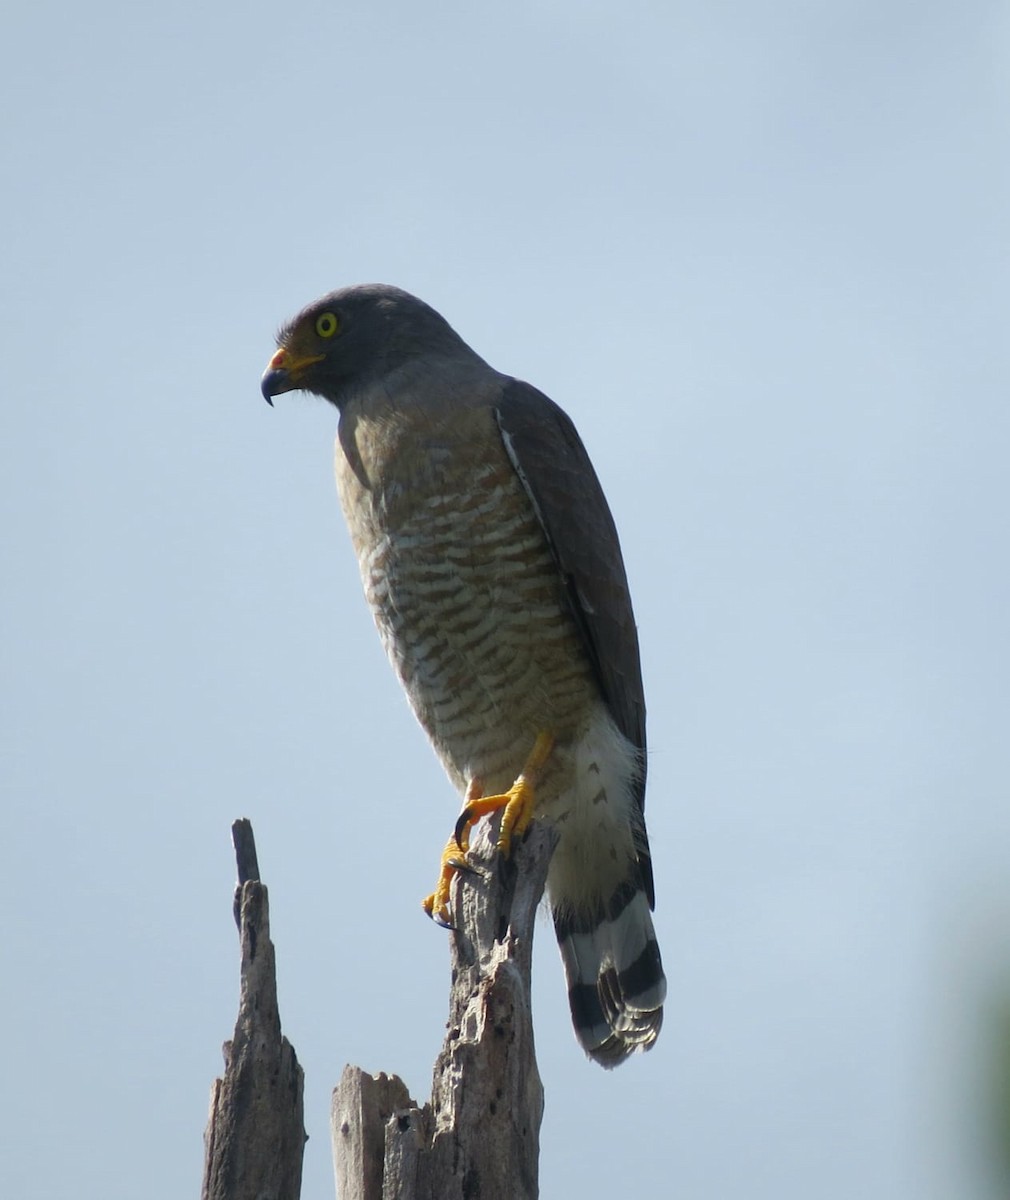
x=518, y=802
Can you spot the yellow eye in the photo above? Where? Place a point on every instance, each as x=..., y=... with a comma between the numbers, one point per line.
x=327, y=324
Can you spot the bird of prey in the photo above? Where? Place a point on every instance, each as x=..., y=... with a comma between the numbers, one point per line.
x=492, y=566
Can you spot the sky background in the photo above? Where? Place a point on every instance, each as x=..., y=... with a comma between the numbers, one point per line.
x=760, y=252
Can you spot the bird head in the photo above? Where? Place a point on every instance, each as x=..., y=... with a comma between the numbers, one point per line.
x=351, y=338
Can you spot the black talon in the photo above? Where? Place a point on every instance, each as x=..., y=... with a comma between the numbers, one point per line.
x=465, y=819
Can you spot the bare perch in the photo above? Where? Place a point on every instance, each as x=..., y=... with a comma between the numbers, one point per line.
x=255, y=1134
x=479, y=1136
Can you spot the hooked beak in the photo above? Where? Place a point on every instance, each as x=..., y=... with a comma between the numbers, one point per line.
x=284, y=373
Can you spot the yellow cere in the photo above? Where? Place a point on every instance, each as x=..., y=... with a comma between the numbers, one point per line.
x=327, y=324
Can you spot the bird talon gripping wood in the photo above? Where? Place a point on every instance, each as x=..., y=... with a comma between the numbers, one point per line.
x=493, y=569
x=516, y=805
x=453, y=863
x=437, y=904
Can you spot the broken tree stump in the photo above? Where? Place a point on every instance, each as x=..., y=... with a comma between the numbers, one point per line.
x=479, y=1135
x=255, y=1133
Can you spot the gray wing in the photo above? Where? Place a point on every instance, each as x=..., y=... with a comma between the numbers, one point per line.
x=554, y=468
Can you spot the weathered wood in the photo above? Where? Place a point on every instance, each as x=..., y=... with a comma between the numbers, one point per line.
x=246, y=860
x=479, y=1136
x=362, y=1104
x=255, y=1134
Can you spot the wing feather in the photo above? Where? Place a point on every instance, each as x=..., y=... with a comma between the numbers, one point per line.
x=552, y=464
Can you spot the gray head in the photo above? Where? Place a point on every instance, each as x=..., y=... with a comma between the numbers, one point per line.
x=353, y=337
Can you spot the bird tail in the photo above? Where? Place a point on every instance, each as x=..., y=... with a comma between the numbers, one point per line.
x=616, y=985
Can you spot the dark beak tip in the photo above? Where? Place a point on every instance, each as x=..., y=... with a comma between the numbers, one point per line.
x=274, y=382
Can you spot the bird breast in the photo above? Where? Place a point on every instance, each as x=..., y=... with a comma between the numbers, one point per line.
x=463, y=587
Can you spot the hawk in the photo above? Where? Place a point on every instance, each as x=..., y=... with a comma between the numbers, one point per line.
x=493, y=570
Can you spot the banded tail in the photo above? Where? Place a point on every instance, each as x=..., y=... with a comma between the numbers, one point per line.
x=616, y=984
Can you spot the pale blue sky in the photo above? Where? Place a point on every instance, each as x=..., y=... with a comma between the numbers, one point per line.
x=759, y=251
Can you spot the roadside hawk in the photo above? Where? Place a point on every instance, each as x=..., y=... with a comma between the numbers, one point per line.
x=493, y=570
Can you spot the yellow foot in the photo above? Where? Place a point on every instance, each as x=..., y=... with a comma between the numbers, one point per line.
x=437, y=904
x=453, y=861
x=518, y=804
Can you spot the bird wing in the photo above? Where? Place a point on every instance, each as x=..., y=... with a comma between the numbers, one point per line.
x=554, y=468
